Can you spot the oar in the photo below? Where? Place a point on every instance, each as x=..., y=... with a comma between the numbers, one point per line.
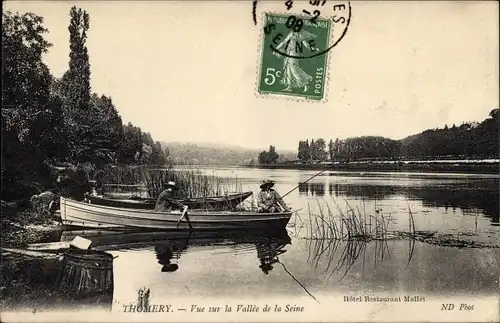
x=184, y=212
x=293, y=189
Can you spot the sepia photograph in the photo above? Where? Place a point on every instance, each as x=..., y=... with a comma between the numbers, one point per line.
x=250, y=161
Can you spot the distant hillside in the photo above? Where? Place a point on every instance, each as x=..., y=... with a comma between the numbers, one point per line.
x=466, y=140
x=185, y=153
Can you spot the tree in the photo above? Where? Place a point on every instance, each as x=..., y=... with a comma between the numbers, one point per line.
x=331, y=150
x=307, y=149
x=312, y=150
x=272, y=156
x=337, y=145
x=31, y=118
x=132, y=144
x=26, y=79
x=76, y=86
x=319, y=149
x=107, y=130
x=303, y=151
x=494, y=114
x=79, y=65
x=263, y=157
x=470, y=140
x=158, y=155
x=268, y=157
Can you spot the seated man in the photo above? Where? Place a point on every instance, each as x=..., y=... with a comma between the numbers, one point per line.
x=165, y=201
x=269, y=201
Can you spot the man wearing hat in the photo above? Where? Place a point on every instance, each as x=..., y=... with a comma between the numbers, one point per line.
x=165, y=201
x=268, y=200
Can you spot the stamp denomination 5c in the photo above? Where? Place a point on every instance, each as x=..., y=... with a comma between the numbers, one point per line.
x=284, y=67
x=294, y=52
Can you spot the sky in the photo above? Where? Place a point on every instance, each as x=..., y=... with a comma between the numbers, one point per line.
x=186, y=71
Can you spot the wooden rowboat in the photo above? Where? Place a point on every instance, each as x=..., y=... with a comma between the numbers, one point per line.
x=227, y=202
x=80, y=214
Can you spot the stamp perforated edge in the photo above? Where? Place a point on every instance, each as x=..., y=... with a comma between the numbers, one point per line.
x=293, y=98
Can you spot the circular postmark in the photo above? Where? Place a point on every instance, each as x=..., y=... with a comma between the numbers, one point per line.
x=307, y=29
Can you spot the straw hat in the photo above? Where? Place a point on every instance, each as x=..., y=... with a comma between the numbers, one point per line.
x=169, y=184
x=267, y=183
x=169, y=268
x=266, y=268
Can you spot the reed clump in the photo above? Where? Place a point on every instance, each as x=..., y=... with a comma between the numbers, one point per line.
x=190, y=183
x=337, y=256
x=149, y=182
x=351, y=224
x=339, y=239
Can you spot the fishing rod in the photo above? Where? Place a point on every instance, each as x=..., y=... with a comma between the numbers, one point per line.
x=293, y=189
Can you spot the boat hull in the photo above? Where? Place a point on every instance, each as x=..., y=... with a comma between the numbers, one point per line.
x=102, y=238
x=216, y=203
x=79, y=214
x=113, y=239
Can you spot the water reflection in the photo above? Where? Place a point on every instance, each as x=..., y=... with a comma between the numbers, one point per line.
x=165, y=253
x=314, y=189
x=332, y=256
x=268, y=248
x=169, y=246
x=268, y=255
x=469, y=197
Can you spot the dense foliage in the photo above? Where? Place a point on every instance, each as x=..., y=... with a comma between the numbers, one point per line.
x=31, y=117
x=312, y=151
x=468, y=139
x=48, y=121
x=465, y=141
x=268, y=157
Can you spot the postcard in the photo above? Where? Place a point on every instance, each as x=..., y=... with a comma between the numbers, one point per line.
x=250, y=161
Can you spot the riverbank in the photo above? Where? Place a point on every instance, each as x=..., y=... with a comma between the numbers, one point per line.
x=27, y=227
x=475, y=168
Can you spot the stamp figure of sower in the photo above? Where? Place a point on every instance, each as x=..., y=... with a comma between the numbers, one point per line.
x=294, y=57
x=293, y=76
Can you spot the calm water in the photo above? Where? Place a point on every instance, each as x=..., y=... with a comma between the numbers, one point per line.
x=466, y=206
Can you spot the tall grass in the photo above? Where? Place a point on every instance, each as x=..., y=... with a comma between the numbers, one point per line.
x=347, y=224
x=137, y=180
x=352, y=224
x=190, y=183
x=343, y=235
x=337, y=256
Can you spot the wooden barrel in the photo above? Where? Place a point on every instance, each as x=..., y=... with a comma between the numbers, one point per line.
x=85, y=272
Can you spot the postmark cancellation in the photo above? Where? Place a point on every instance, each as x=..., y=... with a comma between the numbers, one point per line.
x=295, y=51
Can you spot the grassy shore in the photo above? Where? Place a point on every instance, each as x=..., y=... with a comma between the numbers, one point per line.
x=475, y=168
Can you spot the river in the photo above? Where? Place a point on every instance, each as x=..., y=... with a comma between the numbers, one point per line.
x=457, y=206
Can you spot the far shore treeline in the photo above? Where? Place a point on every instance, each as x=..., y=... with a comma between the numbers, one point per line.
x=469, y=140
x=49, y=121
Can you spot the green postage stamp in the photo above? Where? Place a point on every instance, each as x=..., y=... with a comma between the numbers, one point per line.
x=294, y=56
